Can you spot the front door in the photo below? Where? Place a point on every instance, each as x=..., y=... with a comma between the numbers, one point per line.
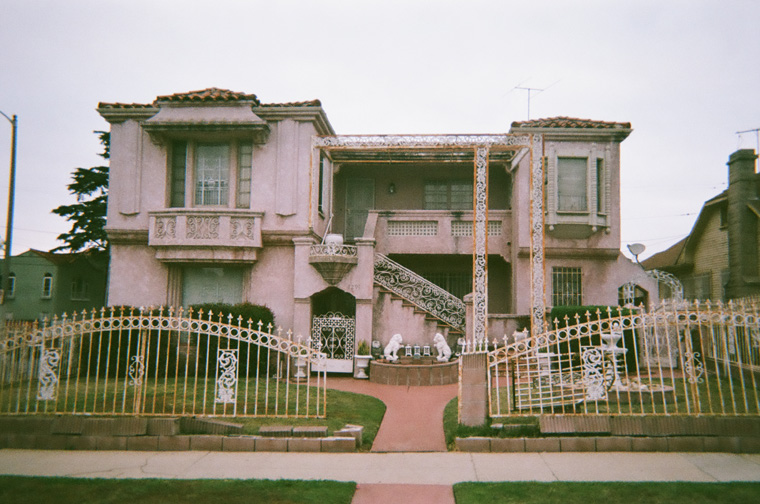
x=360, y=199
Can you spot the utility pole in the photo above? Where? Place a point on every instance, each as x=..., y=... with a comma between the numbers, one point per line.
x=9, y=222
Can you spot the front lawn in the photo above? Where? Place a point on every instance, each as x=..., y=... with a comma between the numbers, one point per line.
x=609, y=493
x=147, y=491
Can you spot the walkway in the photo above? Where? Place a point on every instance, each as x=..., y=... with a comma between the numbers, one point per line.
x=413, y=422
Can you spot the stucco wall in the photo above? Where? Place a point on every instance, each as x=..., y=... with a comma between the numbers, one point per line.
x=136, y=278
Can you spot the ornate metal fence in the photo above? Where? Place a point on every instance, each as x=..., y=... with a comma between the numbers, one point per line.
x=419, y=291
x=681, y=358
x=125, y=361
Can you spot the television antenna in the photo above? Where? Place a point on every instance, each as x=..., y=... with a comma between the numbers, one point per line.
x=756, y=131
x=530, y=91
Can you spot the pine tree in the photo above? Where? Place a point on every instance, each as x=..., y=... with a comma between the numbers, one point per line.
x=88, y=214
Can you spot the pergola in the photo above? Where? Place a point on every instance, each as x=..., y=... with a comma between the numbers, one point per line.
x=461, y=148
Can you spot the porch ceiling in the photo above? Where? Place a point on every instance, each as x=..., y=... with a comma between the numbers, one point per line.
x=395, y=155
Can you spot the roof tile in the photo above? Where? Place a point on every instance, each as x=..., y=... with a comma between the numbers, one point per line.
x=569, y=122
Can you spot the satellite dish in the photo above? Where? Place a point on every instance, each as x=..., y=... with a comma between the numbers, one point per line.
x=636, y=248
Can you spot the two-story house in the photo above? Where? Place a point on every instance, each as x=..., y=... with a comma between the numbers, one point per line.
x=719, y=259
x=215, y=196
x=47, y=284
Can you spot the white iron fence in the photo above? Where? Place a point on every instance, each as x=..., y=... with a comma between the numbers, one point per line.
x=126, y=361
x=685, y=358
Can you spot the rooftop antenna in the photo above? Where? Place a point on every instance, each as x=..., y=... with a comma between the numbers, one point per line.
x=756, y=131
x=530, y=91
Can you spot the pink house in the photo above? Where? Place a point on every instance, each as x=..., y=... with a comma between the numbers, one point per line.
x=215, y=196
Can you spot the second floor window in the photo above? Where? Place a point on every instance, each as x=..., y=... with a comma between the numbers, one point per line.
x=47, y=286
x=571, y=184
x=448, y=195
x=11, y=287
x=214, y=174
x=80, y=290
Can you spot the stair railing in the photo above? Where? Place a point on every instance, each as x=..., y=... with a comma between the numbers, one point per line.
x=420, y=292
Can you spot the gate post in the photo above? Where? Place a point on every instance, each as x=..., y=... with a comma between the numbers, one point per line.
x=473, y=389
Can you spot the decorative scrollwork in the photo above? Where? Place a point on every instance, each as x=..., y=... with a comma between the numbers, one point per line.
x=480, y=273
x=423, y=293
x=242, y=229
x=165, y=227
x=333, y=249
x=136, y=370
x=693, y=367
x=334, y=334
x=227, y=379
x=538, y=301
x=202, y=227
x=48, y=377
x=419, y=141
x=593, y=374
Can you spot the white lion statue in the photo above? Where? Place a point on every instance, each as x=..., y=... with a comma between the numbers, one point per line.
x=391, y=349
x=444, y=351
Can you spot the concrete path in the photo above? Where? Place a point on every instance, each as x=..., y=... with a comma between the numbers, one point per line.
x=413, y=469
x=413, y=420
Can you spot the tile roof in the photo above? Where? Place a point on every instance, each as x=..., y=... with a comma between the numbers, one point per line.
x=213, y=95
x=569, y=122
x=208, y=95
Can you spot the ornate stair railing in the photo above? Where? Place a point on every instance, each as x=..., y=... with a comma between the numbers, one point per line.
x=422, y=293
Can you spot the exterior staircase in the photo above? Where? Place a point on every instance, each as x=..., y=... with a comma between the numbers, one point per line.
x=409, y=304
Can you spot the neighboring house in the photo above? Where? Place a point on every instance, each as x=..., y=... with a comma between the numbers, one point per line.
x=215, y=196
x=719, y=259
x=47, y=284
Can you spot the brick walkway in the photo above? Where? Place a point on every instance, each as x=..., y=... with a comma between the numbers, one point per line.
x=413, y=422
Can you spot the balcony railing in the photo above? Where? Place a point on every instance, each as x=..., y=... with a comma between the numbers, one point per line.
x=436, y=231
x=205, y=228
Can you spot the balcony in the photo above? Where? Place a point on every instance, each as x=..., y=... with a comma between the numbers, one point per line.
x=333, y=259
x=435, y=231
x=199, y=235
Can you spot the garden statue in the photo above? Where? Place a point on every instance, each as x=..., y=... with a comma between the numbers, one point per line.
x=391, y=349
x=444, y=352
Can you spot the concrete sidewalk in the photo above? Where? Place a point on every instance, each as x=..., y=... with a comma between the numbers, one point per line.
x=386, y=468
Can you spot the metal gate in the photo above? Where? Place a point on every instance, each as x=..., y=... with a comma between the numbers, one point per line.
x=334, y=334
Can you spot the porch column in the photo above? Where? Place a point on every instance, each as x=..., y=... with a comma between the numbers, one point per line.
x=480, y=247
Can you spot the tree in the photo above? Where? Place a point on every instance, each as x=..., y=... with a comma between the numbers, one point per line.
x=88, y=214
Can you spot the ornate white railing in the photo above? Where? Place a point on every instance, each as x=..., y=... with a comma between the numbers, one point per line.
x=419, y=291
x=333, y=250
x=689, y=358
x=130, y=361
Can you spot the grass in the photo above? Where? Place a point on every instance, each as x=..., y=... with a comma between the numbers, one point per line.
x=342, y=408
x=527, y=426
x=583, y=493
x=147, y=491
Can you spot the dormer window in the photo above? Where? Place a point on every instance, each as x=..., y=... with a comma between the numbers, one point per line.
x=216, y=175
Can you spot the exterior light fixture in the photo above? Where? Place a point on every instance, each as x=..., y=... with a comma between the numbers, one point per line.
x=391, y=188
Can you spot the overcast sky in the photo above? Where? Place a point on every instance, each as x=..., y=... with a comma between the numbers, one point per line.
x=686, y=74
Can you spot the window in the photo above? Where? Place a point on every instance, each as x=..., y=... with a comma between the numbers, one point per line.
x=448, y=195
x=212, y=285
x=11, y=292
x=571, y=184
x=47, y=286
x=567, y=286
x=217, y=175
x=80, y=289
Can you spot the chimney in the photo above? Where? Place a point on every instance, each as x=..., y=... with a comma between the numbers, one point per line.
x=742, y=225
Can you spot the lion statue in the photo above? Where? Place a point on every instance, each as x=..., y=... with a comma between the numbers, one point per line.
x=444, y=352
x=391, y=349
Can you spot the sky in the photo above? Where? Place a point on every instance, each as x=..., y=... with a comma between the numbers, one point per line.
x=685, y=73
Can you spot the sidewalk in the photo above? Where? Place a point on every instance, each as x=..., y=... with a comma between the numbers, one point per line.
x=386, y=468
